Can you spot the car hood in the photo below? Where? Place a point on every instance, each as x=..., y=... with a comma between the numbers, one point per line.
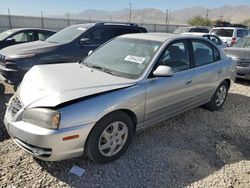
x=51, y=85
x=36, y=47
x=239, y=53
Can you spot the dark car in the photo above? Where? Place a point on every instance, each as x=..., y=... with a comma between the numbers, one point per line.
x=180, y=30
x=241, y=53
x=68, y=45
x=22, y=35
x=222, y=24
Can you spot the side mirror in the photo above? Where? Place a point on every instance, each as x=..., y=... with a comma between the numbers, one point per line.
x=10, y=40
x=163, y=71
x=90, y=52
x=84, y=41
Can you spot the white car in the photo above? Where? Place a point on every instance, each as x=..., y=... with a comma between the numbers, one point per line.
x=230, y=35
x=215, y=39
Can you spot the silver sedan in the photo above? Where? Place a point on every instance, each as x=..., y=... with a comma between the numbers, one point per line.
x=95, y=106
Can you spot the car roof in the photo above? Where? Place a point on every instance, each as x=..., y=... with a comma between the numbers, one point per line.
x=23, y=29
x=229, y=28
x=159, y=37
x=194, y=33
x=194, y=27
x=123, y=24
x=198, y=34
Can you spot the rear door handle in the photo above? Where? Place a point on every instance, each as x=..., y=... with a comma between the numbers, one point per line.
x=189, y=81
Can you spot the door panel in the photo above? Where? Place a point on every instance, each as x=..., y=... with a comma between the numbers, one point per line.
x=167, y=96
x=208, y=70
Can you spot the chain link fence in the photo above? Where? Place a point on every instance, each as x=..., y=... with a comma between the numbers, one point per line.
x=13, y=21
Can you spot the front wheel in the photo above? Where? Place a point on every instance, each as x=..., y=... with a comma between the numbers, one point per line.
x=110, y=138
x=218, y=98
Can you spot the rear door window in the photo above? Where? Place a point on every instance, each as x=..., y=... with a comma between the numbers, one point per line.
x=25, y=36
x=43, y=35
x=204, y=53
x=223, y=32
x=100, y=36
x=122, y=31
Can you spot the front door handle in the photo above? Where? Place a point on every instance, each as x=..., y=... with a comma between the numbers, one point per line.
x=189, y=81
x=219, y=71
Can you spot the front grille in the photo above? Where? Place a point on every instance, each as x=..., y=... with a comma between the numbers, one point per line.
x=15, y=106
x=35, y=150
x=2, y=59
x=243, y=64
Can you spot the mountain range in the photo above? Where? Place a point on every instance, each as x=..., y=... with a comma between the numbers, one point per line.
x=236, y=14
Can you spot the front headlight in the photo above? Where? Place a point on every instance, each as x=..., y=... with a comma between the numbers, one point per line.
x=42, y=117
x=21, y=56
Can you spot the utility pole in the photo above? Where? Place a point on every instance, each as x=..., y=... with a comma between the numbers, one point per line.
x=42, y=21
x=68, y=20
x=89, y=17
x=9, y=19
x=130, y=12
x=110, y=18
x=207, y=14
x=166, y=16
x=221, y=17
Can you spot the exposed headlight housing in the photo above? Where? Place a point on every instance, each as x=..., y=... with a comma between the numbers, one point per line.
x=21, y=56
x=42, y=117
x=11, y=65
x=234, y=58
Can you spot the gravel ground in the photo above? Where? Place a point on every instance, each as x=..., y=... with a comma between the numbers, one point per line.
x=195, y=149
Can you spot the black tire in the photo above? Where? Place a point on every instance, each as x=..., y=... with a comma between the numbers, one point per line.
x=2, y=89
x=92, y=145
x=212, y=105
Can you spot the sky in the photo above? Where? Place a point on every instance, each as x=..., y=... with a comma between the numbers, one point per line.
x=59, y=7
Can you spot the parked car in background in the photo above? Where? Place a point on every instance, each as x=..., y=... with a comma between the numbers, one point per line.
x=240, y=26
x=68, y=45
x=23, y=35
x=240, y=52
x=180, y=30
x=230, y=35
x=222, y=24
x=215, y=39
x=134, y=81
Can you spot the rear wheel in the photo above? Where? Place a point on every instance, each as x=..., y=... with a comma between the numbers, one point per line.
x=110, y=137
x=218, y=98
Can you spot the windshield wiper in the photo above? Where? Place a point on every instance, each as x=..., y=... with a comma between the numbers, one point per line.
x=102, y=69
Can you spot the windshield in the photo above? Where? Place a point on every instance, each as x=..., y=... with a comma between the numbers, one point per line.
x=66, y=35
x=5, y=34
x=243, y=43
x=124, y=57
x=223, y=32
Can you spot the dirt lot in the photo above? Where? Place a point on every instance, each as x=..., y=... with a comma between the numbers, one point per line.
x=196, y=149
